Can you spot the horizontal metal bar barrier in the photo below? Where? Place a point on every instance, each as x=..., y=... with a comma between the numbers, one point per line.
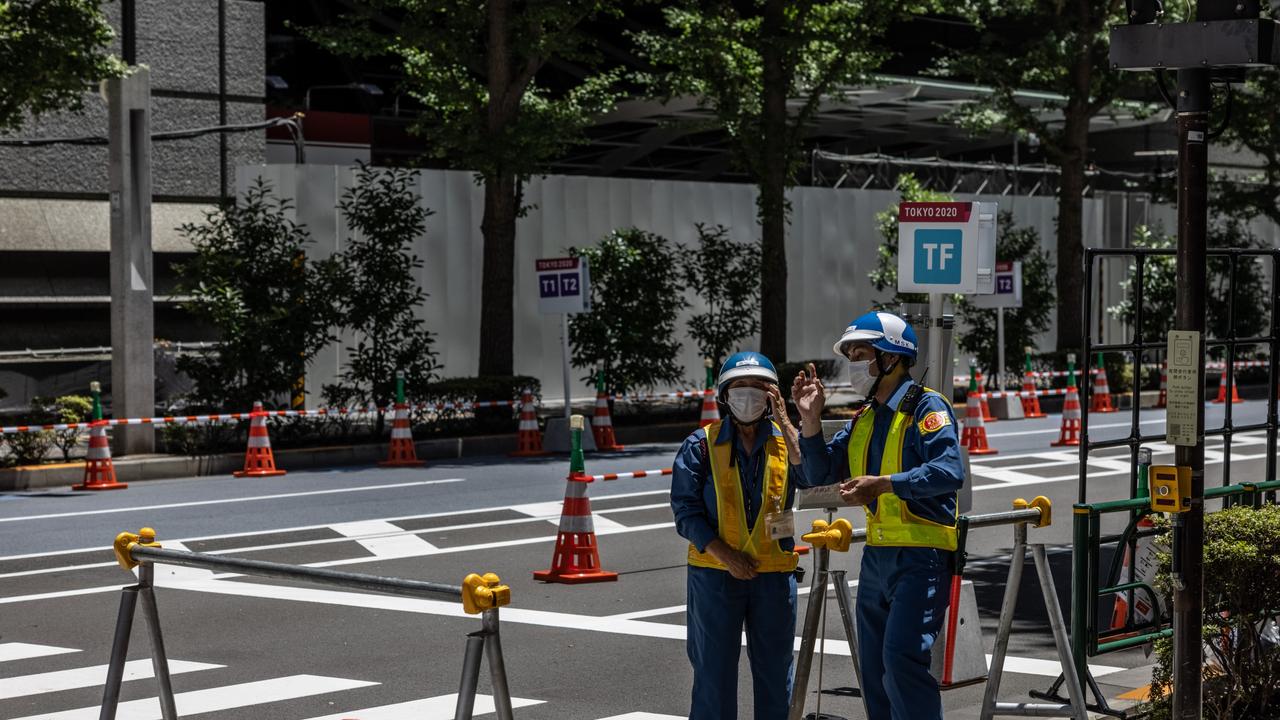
x=1112, y=506
x=1008, y=517
x=318, y=576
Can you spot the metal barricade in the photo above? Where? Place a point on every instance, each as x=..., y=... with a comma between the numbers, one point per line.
x=480, y=595
x=839, y=535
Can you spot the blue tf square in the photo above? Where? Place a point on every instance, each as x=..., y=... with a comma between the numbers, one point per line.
x=937, y=255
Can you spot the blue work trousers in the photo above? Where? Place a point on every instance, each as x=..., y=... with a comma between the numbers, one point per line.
x=902, y=602
x=718, y=607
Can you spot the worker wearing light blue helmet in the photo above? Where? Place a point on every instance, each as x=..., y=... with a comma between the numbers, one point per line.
x=900, y=459
x=732, y=487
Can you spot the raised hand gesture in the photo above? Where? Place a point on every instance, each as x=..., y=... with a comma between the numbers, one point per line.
x=810, y=397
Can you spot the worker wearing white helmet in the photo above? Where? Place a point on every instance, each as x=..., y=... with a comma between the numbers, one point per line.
x=732, y=488
x=900, y=459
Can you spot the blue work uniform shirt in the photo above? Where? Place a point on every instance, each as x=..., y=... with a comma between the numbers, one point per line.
x=932, y=469
x=693, y=492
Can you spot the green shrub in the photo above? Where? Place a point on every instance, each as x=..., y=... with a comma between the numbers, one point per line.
x=1241, y=601
x=65, y=409
x=461, y=390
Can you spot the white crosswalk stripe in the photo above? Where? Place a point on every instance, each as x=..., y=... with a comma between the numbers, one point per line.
x=228, y=697
x=84, y=677
x=644, y=716
x=27, y=651
x=440, y=707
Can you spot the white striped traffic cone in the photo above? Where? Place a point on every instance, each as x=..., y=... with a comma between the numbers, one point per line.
x=1222, y=390
x=602, y=426
x=710, y=411
x=1069, y=434
x=982, y=397
x=1101, y=400
x=99, y=472
x=528, y=437
x=974, y=435
x=576, y=558
x=402, y=452
x=259, y=461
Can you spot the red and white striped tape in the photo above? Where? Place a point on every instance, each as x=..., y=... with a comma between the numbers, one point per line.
x=660, y=396
x=623, y=476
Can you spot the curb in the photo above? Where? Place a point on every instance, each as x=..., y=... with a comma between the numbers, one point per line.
x=164, y=467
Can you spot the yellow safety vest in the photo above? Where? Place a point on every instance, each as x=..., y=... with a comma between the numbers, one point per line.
x=893, y=524
x=731, y=506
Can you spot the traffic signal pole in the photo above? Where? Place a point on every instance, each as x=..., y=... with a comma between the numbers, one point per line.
x=1194, y=102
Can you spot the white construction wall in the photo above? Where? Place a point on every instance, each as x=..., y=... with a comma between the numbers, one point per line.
x=831, y=246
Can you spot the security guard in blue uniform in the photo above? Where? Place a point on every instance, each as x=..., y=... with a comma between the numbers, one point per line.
x=900, y=459
x=732, y=487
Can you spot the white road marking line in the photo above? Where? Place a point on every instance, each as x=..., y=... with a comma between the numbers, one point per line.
x=549, y=511
x=385, y=540
x=26, y=651
x=437, y=708
x=1051, y=431
x=299, y=528
x=175, y=573
x=94, y=676
x=1047, y=668
x=216, y=699
x=226, y=501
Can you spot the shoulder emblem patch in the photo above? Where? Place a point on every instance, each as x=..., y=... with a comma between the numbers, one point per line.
x=933, y=422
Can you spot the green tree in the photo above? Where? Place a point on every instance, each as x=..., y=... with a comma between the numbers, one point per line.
x=635, y=300
x=51, y=51
x=1254, y=129
x=726, y=275
x=765, y=68
x=978, y=334
x=884, y=276
x=379, y=293
x=1160, y=293
x=473, y=64
x=1060, y=50
x=251, y=282
x=67, y=409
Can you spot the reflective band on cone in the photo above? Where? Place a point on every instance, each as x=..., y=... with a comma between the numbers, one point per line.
x=402, y=452
x=99, y=472
x=602, y=425
x=528, y=438
x=1222, y=390
x=1070, y=432
x=258, y=458
x=710, y=411
x=1101, y=400
x=576, y=558
x=974, y=435
x=982, y=398
x=1030, y=400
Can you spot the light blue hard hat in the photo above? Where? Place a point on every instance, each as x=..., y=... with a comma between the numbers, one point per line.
x=884, y=331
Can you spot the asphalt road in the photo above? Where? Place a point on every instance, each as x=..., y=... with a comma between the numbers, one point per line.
x=259, y=648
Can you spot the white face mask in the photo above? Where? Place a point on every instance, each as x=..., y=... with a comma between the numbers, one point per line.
x=860, y=377
x=747, y=403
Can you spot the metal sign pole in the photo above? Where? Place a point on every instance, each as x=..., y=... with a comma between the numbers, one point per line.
x=1000, y=347
x=564, y=338
x=1194, y=101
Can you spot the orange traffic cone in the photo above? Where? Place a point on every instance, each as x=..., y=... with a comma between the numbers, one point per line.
x=982, y=396
x=1030, y=400
x=402, y=452
x=710, y=411
x=528, y=438
x=1143, y=612
x=974, y=436
x=1222, y=390
x=258, y=458
x=602, y=423
x=1163, y=399
x=1101, y=400
x=576, y=558
x=99, y=472
x=1070, y=432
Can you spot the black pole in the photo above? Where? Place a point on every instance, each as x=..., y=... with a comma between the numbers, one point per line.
x=1194, y=101
x=129, y=32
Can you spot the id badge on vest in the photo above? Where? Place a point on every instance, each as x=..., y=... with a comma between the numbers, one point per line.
x=779, y=524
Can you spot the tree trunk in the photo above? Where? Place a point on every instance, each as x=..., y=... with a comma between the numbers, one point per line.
x=772, y=203
x=1070, y=268
x=497, y=291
